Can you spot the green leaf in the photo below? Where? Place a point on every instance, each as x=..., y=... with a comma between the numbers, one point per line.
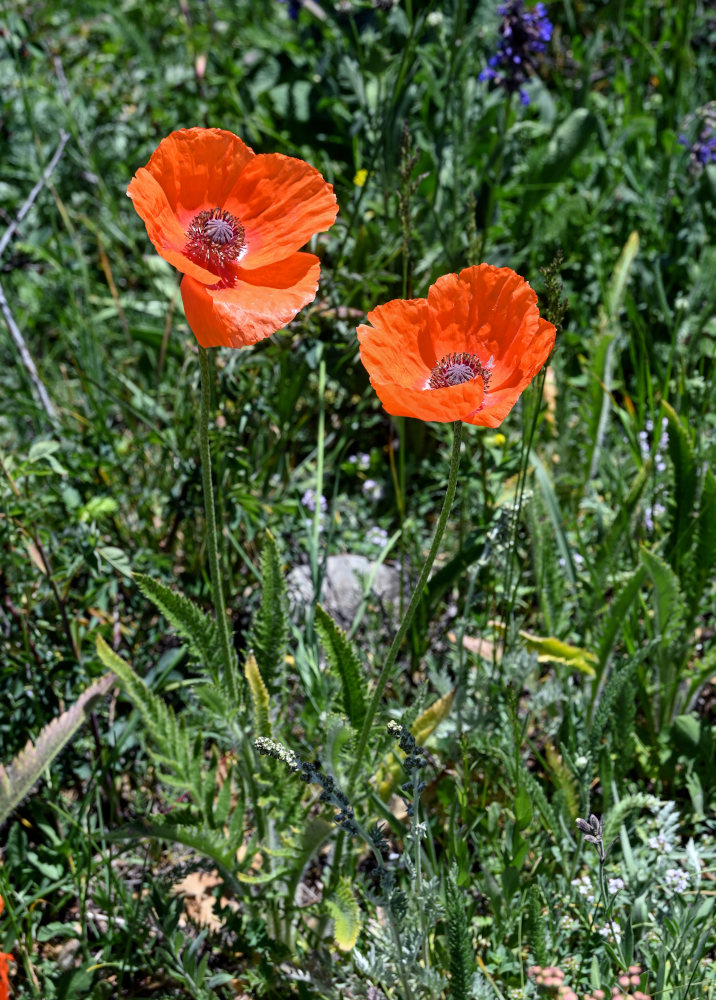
x=567, y=142
x=18, y=778
x=191, y=623
x=269, y=628
x=117, y=558
x=705, y=543
x=344, y=910
x=609, y=545
x=343, y=659
x=259, y=697
x=617, y=615
x=552, y=650
x=459, y=941
x=682, y=534
x=669, y=609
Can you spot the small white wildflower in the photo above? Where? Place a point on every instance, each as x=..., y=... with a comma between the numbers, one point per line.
x=373, y=489
x=676, y=879
x=377, y=536
x=615, y=884
x=435, y=18
x=309, y=501
x=584, y=887
x=659, y=843
x=611, y=932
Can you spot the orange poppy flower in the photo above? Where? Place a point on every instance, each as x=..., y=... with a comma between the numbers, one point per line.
x=232, y=221
x=466, y=352
x=5, y=959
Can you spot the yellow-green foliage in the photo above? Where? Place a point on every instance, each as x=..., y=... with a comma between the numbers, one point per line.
x=344, y=910
x=422, y=728
x=259, y=697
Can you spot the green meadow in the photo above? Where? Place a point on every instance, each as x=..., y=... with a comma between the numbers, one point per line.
x=377, y=670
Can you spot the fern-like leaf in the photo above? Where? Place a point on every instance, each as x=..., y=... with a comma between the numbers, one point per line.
x=269, y=629
x=683, y=459
x=259, y=697
x=344, y=910
x=669, y=609
x=460, y=949
x=344, y=660
x=181, y=760
x=200, y=632
x=604, y=716
x=17, y=780
x=706, y=544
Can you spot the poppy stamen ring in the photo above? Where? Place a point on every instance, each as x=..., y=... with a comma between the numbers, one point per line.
x=214, y=238
x=454, y=369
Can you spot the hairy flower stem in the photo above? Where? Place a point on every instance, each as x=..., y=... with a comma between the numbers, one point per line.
x=217, y=589
x=390, y=659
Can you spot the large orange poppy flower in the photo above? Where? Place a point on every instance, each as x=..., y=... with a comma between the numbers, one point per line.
x=466, y=352
x=232, y=221
x=5, y=958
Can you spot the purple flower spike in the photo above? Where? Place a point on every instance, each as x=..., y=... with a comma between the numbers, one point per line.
x=524, y=38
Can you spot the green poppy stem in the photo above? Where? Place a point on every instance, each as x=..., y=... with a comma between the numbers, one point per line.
x=217, y=590
x=390, y=659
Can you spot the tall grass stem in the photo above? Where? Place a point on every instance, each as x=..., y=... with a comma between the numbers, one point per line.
x=390, y=659
x=212, y=545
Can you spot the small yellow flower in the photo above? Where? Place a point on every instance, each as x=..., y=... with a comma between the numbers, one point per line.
x=360, y=178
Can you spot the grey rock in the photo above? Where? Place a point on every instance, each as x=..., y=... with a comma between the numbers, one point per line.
x=343, y=586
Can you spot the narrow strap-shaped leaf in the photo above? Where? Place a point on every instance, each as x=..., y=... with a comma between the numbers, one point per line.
x=17, y=780
x=344, y=660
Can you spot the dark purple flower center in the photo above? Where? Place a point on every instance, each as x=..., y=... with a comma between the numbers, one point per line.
x=214, y=239
x=454, y=369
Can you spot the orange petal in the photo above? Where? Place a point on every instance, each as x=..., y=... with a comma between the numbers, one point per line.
x=197, y=168
x=163, y=227
x=388, y=348
x=456, y=402
x=191, y=170
x=263, y=301
x=281, y=202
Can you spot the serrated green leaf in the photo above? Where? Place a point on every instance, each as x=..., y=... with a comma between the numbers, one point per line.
x=18, y=778
x=705, y=561
x=344, y=910
x=269, y=629
x=259, y=697
x=191, y=623
x=682, y=535
x=669, y=606
x=344, y=660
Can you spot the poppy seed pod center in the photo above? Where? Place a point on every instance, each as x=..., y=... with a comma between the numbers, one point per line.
x=454, y=369
x=214, y=239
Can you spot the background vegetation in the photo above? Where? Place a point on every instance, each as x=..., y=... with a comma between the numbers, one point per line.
x=571, y=614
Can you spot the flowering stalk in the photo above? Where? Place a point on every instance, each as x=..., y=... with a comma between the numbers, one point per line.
x=390, y=659
x=217, y=589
